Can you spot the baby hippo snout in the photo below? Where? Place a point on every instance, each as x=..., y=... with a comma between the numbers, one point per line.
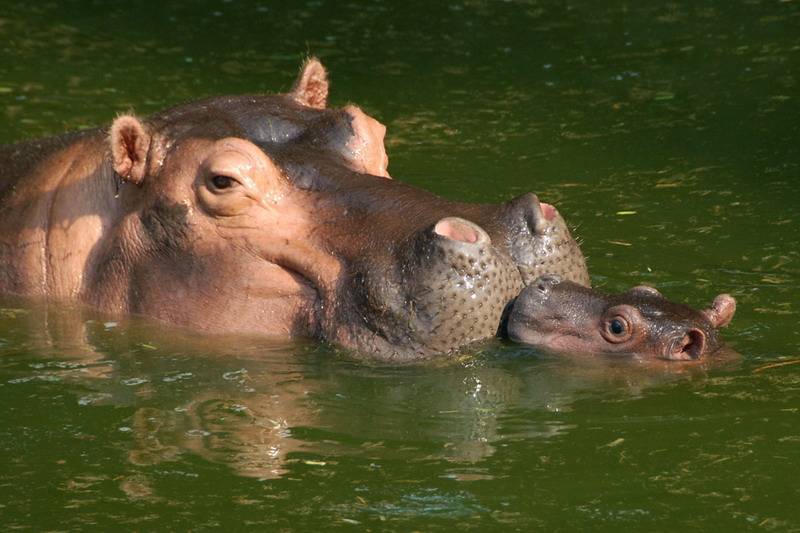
x=458, y=284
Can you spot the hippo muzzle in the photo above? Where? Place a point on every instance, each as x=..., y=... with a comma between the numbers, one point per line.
x=449, y=282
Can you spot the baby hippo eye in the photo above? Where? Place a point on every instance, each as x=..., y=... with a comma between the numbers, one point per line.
x=617, y=326
x=617, y=329
x=222, y=182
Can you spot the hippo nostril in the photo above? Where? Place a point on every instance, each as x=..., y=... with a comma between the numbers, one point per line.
x=543, y=283
x=542, y=287
x=535, y=215
x=538, y=215
x=548, y=211
x=458, y=229
x=528, y=210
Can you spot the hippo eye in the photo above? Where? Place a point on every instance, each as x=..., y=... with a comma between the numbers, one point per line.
x=223, y=182
x=617, y=329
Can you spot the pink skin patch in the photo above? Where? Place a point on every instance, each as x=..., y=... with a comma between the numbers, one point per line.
x=548, y=211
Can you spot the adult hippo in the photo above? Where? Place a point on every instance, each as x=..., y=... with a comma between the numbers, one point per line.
x=272, y=215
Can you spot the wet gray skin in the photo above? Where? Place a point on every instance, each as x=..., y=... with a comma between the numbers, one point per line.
x=562, y=316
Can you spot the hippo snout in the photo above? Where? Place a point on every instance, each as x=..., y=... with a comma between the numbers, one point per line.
x=458, y=284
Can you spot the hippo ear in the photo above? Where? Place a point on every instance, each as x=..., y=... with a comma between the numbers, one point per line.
x=311, y=87
x=645, y=289
x=721, y=311
x=130, y=144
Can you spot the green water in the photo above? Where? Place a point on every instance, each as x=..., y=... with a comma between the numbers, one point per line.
x=667, y=133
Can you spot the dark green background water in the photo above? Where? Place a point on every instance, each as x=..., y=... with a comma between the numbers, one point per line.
x=667, y=132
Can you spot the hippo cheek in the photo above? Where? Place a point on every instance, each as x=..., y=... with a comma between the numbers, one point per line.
x=459, y=289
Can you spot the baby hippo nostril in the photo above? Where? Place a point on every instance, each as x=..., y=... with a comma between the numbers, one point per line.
x=458, y=229
x=543, y=283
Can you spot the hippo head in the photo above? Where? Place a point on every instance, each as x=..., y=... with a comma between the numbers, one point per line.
x=277, y=215
x=563, y=316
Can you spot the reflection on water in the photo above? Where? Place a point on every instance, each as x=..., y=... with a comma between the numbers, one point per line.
x=255, y=405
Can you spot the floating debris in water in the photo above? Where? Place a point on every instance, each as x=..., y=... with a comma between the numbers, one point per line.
x=177, y=377
x=7, y=312
x=132, y=382
x=90, y=399
x=39, y=377
x=777, y=364
x=614, y=443
x=235, y=375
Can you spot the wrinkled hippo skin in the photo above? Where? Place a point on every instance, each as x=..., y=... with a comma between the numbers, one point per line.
x=273, y=215
x=563, y=316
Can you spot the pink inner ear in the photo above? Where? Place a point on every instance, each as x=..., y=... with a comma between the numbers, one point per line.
x=311, y=87
x=129, y=146
x=366, y=146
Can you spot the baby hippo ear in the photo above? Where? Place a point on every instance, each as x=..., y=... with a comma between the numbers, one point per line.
x=721, y=311
x=645, y=289
x=130, y=144
x=311, y=87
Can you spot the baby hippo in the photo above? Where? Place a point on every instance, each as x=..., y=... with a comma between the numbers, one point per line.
x=562, y=316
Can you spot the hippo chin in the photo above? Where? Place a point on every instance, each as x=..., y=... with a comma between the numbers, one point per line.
x=272, y=215
x=563, y=316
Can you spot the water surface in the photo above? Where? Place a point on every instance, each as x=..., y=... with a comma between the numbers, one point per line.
x=668, y=134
